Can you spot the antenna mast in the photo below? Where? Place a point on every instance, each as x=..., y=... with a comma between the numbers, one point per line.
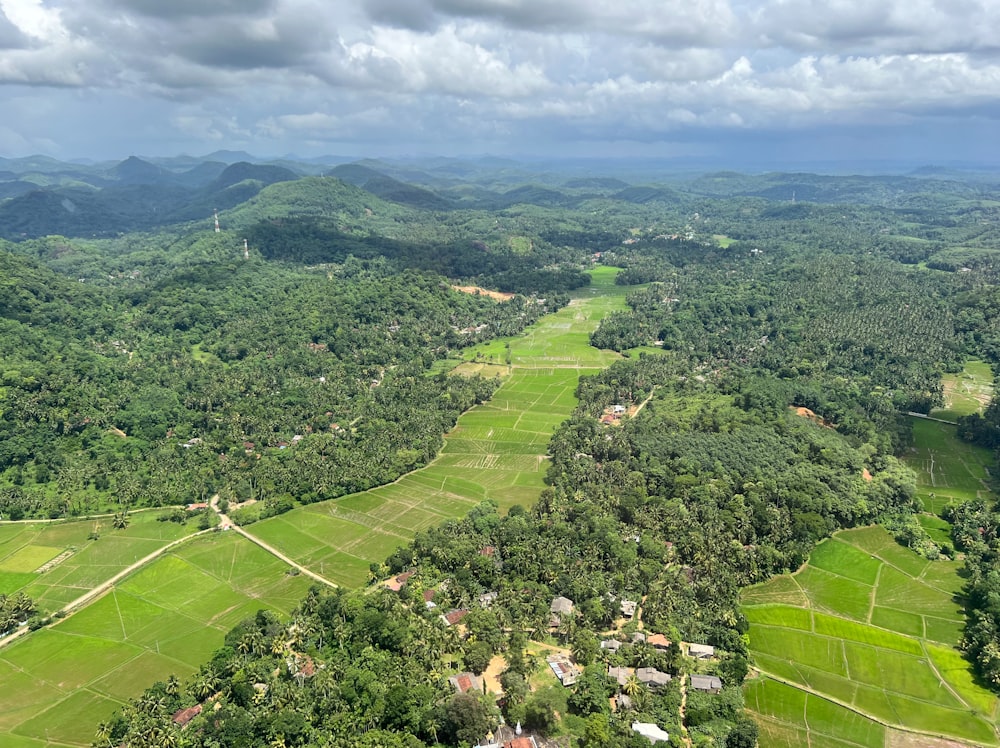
x=246, y=250
x=217, y=229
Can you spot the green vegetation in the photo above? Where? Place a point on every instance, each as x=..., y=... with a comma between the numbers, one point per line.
x=690, y=425
x=166, y=619
x=869, y=642
x=55, y=563
x=496, y=452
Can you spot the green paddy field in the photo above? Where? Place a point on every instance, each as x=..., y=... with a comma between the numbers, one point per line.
x=859, y=647
x=57, y=684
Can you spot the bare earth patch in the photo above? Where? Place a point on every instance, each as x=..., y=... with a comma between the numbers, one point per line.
x=491, y=676
x=477, y=290
x=900, y=739
x=806, y=413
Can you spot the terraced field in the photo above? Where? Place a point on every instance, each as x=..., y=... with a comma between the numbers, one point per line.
x=871, y=626
x=496, y=451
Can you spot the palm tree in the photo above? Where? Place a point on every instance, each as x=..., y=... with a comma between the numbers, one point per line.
x=104, y=733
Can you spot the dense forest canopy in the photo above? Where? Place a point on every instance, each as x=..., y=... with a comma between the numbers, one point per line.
x=773, y=345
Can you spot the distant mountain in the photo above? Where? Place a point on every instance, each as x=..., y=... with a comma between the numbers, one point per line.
x=134, y=170
x=388, y=188
x=596, y=183
x=16, y=187
x=535, y=195
x=242, y=171
x=202, y=174
x=642, y=195
x=230, y=157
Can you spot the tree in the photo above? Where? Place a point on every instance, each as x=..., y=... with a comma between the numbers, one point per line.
x=477, y=657
x=743, y=735
x=466, y=718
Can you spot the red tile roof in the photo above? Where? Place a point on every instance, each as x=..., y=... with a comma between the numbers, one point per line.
x=183, y=716
x=455, y=616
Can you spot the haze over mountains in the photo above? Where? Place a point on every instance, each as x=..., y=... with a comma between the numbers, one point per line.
x=41, y=196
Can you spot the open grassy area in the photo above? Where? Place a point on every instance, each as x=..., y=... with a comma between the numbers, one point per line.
x=872, y=627
x=948, y=469
x=496, y=451
x=967, y=392
x=59, y=683
x=26, y=548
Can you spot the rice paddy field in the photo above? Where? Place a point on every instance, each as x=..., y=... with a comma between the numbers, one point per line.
x=57, y=562
x=862, y=640
x=868, y=630
x=496, y=451
x=57, y=684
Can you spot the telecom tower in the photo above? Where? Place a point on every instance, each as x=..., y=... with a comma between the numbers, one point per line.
x=217, y=229
x=246, y=250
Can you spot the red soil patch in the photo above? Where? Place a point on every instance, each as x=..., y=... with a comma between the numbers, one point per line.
x=866, y=474
x=806, y=413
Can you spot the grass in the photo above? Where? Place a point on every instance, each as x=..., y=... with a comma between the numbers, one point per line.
x=966, y=392
x=165, y=619
x=496, y=451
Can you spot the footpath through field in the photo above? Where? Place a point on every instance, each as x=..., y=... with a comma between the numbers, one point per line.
x=496, y=451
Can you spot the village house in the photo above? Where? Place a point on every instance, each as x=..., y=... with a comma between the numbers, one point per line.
x=628, y=608
x=658, y=642
x=564, y=669
x=708, y=683
x=652, y=732
x=620, y=674
x=638, y=637
x=561, y=606
x=465, y=682
x=399, y=581
x=611, y=645
x=652, y=678
x=183, y=716
x=701, y=651
x=487, y=599
x=454, y=617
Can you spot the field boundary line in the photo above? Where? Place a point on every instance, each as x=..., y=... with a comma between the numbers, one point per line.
x=100, y=590
x=282, y=557
x=866, y=715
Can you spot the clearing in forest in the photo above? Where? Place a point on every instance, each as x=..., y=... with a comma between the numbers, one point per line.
x=862, y=637
x=966, y=392
x=496, y=451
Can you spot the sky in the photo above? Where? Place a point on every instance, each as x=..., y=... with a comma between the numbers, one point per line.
x=768, y=80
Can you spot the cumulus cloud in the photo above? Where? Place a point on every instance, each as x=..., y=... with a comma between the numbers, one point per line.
x=515, y=70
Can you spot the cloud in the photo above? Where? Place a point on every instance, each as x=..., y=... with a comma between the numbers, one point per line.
x=11, y=37
x=685, y=22
x=503, y=71
x=914, y=26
